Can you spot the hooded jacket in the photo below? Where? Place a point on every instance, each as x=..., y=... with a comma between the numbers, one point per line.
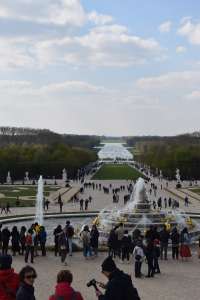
x=65, y=292
x=120, y=287
x=9, y=283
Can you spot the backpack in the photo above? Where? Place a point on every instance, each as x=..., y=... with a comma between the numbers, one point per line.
x=29, y=240
x=70, y=231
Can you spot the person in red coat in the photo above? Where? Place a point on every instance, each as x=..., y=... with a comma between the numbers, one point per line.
x=63, y=288
x=9, y=280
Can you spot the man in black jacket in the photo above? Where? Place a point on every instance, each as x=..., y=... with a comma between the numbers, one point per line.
x=119, y=286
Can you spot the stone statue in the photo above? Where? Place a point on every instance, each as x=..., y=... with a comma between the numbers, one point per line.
x=64, y=175
x=8, y=179
x=26, y=178
x=178, y=176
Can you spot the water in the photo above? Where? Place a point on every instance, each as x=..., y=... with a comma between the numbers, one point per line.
x=39, y=218
x=114, y=151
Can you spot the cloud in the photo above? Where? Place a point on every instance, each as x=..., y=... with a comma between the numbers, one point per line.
x=173, y=80
x=181, y=49
x=14, y=53
x=57, y=12
x=108, y=46
x=165, y=27
x=190, y=30
x=99, y=19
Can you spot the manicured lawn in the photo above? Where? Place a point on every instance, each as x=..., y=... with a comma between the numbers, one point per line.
x=117, y=171
x=196, y=190
x=10, y=194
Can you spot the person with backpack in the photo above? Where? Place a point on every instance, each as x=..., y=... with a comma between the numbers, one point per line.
x=119, y=286
x=85, y=237
x=138, y=254
x=29, y=246
x=9, y=280
x=63, y=289
x=63, y=246
x=70, y=234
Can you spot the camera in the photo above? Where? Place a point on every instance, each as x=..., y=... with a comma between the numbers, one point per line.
x=92, y=283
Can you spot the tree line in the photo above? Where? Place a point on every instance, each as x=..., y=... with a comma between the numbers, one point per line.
x=28, y=136
x=169, y=154
x=48, y=160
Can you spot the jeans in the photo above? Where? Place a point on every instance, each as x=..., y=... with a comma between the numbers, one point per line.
x=150, y=266
x=63, y=254
x=138, y=266
x=70, y=245
x=163, y=248
x=156, y=265
x=29, y=249
x=175, y=252
x=125, y=253
x=86, y=251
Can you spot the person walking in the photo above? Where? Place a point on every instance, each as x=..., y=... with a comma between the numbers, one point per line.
x=9, y=280
x=120, y=234
x=149, y=252
x=15, y=240
x=138, y=254
x=94, y=239
x=81, y=204
x=63, y=246
x=27, y=277
x=22, y=239
x=164, y=239
x=126, y=246
x=156, y=256
x=29, y=245
x=175, y=238
x=85, y=237
x=185, y=244
x=5, y=235
x=112, y=243
x=57, y=232
x=63, y=289
x=70, y=234
x=43, y=239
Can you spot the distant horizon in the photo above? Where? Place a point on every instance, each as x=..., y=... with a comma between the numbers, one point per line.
x=99, y=135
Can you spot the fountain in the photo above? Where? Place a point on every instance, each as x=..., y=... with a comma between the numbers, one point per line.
x=137, y=214
x=39, y=202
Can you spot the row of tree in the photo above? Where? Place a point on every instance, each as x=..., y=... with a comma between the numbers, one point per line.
x=168, y=155
x=22, y=135
x=48, y=160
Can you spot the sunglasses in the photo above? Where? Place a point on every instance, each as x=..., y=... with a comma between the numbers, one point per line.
x=30, y=276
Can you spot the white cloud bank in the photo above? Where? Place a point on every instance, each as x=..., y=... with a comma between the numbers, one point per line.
x=190, y=30
x=165, y=27
x=108, y=46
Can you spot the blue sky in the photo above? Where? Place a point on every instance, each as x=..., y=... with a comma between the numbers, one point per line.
x=107, y=67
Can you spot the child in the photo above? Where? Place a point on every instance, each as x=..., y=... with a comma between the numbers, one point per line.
x=138, y=255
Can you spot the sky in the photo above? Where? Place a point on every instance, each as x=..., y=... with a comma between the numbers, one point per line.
x=105, y=67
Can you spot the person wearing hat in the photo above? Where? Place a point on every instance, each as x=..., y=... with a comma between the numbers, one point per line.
x=9, y=280
x=119, y=286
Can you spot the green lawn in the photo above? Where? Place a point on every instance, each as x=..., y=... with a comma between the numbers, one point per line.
x=117, y=171
x=10, y=194
x=196, y=190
